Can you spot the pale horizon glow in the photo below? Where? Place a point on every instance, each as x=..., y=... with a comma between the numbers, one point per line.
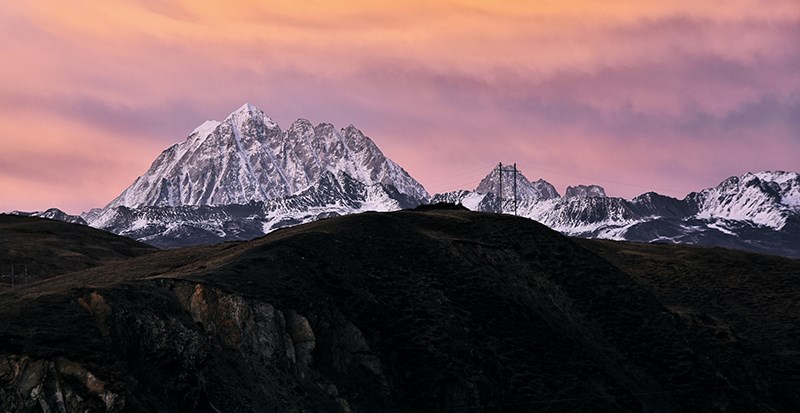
x=672, y=96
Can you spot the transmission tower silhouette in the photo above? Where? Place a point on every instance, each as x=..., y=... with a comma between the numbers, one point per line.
x=500, y=170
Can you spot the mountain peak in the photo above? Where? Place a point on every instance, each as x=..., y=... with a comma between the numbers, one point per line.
x=247, y=157
x=247, y=107
x=778, y=177
x=585, y=191
x=526, y=190
x=301, y=124
x=764, y=198
x=249, y=111
x=52, y=213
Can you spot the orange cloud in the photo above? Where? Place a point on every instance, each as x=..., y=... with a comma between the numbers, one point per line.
x=93, y=90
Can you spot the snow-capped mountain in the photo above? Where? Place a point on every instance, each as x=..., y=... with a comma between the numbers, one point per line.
x=756, y=211
x=585, y=211
x=247, y=157
x=247, y=163
x=764, y=198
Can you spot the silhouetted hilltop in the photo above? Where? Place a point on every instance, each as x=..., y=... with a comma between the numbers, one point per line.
x=51, y=247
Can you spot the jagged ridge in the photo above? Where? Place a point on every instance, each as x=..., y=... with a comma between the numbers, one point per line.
x=756, y=211
x=247, y=157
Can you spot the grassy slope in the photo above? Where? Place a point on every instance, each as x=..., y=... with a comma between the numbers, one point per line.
x=449, y=296
x=50, y=248
x=757, y=296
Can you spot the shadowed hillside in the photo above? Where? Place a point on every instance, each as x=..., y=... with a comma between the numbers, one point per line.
x=49, y=247
x=437, y=310
x=757, y=296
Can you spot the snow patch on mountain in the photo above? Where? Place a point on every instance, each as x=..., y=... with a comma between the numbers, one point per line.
x=720, y=226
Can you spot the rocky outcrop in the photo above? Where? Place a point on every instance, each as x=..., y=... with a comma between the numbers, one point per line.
x=55, y=385
x=218, y=352
x=585, y=191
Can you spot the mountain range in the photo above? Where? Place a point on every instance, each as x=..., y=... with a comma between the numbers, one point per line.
x=755, y=211
x=244, y=177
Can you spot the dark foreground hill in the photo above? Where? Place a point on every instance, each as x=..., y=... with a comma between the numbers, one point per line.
x=409, y=311
x=757, y=296
x=44, y=248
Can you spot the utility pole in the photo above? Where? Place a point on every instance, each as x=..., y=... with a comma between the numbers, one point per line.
x=515, y=194
x=500, y=172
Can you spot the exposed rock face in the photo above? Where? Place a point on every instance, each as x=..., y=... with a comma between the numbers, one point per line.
x=58, y=385
x=178, y=226
x=585, y=191
x=529, y=190
x=269, y=349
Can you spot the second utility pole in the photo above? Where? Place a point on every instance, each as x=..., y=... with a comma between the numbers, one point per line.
x=500, y=171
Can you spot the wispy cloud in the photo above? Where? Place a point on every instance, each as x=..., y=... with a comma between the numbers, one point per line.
x=665, y=95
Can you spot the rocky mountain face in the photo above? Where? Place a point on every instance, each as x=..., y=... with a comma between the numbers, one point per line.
x=755, y=211
x=377, y=312
x=244, y=177
x=585, y=191
x=176, y=226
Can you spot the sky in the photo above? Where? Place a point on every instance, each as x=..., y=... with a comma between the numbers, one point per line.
x=665, y=95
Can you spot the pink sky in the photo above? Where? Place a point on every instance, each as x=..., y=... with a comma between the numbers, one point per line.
x=671, y=95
